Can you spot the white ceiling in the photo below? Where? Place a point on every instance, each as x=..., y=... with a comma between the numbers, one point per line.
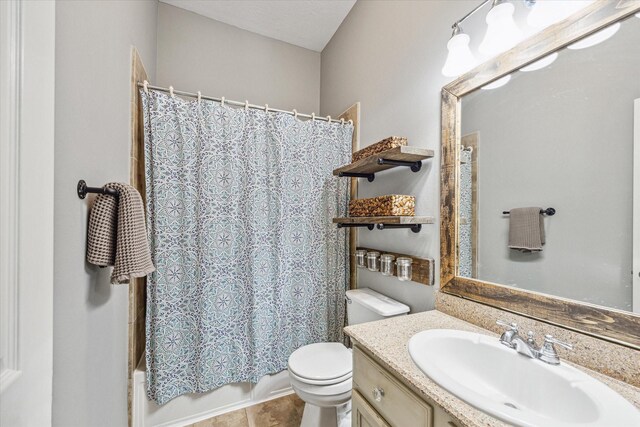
x=305, y=23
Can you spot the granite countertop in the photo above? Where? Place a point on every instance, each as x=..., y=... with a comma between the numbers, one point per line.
x=388, y=341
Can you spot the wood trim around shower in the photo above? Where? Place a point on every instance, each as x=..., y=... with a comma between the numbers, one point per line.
x=353, y=113
x=138, y=285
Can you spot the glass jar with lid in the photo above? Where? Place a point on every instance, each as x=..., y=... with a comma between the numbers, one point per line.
x=386, y=264
x=373, y=261
x=361, y=255
x=403, y=268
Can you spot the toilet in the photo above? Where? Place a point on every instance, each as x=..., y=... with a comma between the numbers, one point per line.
x=320, y=373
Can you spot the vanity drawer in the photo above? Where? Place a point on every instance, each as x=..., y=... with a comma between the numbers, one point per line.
x=392, y=400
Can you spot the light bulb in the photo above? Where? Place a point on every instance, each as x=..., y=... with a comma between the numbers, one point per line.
x=596, y=38
x=498, y=83
x=502, y=32
x=460, y=59
x=541, y=63
x=549, y=12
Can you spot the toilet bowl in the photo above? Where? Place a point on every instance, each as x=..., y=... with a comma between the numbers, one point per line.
x=320, y=373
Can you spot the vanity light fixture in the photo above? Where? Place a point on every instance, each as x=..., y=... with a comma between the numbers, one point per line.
x=596, y=38
x=502, y=32
x=460, y=59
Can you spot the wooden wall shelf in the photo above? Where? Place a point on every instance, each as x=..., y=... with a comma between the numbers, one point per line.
x=422, y=268
x=385, y=222
x=399, y=156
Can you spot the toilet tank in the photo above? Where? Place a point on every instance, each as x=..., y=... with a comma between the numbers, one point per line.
x=366, y=305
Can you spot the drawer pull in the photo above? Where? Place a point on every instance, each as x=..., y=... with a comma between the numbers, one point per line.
x=378, y=394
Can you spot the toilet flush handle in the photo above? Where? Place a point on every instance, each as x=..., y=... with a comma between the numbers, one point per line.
x=378, y=394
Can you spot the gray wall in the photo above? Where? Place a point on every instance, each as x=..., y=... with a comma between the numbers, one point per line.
x=388, y=55
x=562, y=137
x=198, y=53
x=93, y=42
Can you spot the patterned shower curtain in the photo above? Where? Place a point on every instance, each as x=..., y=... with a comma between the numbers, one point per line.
x=249, y=266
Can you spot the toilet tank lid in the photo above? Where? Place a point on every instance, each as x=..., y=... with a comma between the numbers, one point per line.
x=376, y=302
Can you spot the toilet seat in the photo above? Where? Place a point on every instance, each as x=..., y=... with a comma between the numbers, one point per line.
x=321, y=364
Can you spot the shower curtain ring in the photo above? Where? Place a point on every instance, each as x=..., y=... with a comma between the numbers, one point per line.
x=351, y=122
x=199, y=96
x=266, y=108
x=246, y=105
x=295, y=113
x=313, y=116
x=328, y=119
x=146, y=86
x=222, y=101
x=171, y=92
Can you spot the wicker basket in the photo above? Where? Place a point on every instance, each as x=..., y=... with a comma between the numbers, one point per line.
x=379, y=147
x=392, y=205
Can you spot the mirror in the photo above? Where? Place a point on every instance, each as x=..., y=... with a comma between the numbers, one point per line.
x=551, y=123
x=557, y=134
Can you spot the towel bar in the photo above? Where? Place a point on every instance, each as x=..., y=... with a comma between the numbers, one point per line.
x=82, y=190
x=548, y=212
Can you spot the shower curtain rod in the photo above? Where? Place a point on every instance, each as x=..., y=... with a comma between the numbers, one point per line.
x=145, y=85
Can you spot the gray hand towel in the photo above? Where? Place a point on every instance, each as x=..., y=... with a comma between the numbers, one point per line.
x=117, y=235
x=526, y=229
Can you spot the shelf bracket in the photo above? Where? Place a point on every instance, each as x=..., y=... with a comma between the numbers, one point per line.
x=414, y=227
x=415, y=166
x=370, y=177
x=354, y=225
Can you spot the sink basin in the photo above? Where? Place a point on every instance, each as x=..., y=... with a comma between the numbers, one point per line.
x=514, y=388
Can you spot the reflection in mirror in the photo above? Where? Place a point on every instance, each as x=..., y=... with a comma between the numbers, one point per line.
x=560, y=135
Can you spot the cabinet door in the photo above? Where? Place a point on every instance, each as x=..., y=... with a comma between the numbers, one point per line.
x=363, y=415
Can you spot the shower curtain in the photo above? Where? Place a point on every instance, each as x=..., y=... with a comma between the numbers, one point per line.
x=249, y=266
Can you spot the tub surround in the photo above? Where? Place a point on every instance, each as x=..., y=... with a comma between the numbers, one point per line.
x=387, y=342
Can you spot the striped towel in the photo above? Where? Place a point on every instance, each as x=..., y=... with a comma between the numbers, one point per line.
x=526, y=229
x=117, y=235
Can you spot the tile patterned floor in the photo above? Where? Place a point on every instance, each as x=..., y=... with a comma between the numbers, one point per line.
x=283, y=412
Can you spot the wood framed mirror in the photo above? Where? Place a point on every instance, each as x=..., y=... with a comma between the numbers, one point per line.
x=606, y=322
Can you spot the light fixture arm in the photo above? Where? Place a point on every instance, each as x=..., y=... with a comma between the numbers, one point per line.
x=456, y=25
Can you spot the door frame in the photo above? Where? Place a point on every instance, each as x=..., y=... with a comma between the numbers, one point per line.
x=635, y=289
x=26, y=210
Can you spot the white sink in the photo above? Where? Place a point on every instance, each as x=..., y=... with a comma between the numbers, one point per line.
x=515, y=388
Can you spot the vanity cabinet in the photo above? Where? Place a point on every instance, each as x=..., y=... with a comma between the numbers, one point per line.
x=379, y=399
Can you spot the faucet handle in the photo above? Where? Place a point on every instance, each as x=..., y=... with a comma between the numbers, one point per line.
x=548, y=353
x=513, y=326
x=550, y=339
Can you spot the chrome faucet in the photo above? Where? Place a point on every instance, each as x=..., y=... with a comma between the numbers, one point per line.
x=547, y=352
